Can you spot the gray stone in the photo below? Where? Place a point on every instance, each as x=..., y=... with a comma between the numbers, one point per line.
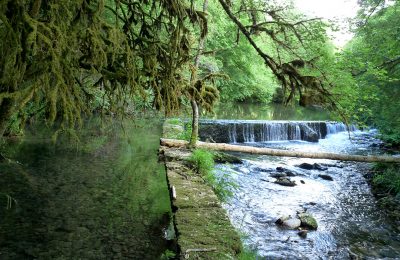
x=280, y=220
x=291, y=223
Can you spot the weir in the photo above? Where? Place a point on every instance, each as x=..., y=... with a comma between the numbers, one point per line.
x=243, y=131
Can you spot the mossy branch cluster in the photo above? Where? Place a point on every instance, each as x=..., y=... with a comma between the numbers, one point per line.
x=64, y=56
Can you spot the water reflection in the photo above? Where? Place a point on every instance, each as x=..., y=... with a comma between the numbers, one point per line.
x=103, y=196
x=246, y=111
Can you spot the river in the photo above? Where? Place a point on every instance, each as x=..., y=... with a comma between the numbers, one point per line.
x=350, y=225
x=101, y=196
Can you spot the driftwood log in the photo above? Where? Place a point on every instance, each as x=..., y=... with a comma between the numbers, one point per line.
x=278, y=152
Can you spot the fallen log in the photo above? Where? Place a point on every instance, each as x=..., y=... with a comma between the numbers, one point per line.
x=278, y=152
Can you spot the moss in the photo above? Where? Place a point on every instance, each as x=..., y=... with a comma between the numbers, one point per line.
x=308, y=221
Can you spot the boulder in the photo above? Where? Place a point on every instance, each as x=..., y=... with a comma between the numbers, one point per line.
x=308, y=134
x=285, y=182
x=306, y=166
x=288, y=222
x=308, y=221
x=291, y=223
x=325, y=177
x=280, y=169
x=309, y=166
x=280, y=220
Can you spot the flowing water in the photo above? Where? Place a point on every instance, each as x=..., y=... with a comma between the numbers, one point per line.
x=350, y=223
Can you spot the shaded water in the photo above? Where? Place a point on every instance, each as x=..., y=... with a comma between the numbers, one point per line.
x=104, y=197
x=350, y=223
x=249, y=111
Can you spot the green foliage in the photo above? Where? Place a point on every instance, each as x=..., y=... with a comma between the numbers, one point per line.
x=73, y=57
x=187, y=133
x=247, y=77
x=203, y=162
x=247, y=254
x=168, y=254
x=372, y=58
x=388, y=179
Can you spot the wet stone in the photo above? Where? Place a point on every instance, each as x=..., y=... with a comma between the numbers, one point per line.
x=325, y=177
x=285, y=182
x=309, y=166
x=278, y=175
x=308, y=221
x=302, y=233
x=292, y=223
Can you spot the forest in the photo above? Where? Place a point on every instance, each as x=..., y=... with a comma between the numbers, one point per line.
x=73, y=73
x=62, y=62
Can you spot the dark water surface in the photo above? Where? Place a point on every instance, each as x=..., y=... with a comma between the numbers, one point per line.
x=104, y=197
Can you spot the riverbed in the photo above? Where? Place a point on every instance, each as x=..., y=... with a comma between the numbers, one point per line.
x=350, y=224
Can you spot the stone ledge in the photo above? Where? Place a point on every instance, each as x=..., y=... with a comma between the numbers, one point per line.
x=203, y=227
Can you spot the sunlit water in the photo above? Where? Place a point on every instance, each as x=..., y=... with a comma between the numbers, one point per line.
x=350, y=223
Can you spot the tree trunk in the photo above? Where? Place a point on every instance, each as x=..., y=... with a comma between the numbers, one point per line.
x=193, y=79
x=6, y=110
x=195, y=124
x=284, y=153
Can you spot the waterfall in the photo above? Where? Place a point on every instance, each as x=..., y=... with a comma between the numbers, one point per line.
x=232, y=134
x=336, y=127
x=247, y=131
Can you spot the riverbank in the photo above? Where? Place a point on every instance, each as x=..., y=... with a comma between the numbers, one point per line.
x=384, y=180
x=202, y=226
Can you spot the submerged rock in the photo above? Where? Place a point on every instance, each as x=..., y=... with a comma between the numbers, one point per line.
x=285, y=182
x=308, y=221
x=325, y=177
x=302, y=233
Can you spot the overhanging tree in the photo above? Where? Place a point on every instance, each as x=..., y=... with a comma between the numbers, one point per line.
x=60, y=54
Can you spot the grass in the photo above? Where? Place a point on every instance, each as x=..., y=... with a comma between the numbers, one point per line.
x=203, y=162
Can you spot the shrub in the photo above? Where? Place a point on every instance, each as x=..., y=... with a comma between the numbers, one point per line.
x=388, y=179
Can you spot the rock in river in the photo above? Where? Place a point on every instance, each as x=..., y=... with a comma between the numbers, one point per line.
x=309, y=166
x=288, y=222
x=325, y=177
x=292, y=223
x=308, y=221
x=285, y=182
